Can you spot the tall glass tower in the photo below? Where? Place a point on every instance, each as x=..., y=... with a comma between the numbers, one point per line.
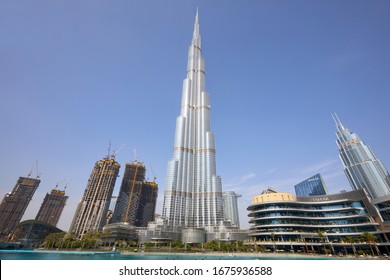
x=363, y=169
x=230, y=208
x=193, y=191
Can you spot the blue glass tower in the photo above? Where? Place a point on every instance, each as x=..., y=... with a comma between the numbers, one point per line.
x=312, y=186
x=363, y=169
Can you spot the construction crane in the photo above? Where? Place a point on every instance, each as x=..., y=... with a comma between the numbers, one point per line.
x=114, y=153
x=154, y=176
x=31, y=170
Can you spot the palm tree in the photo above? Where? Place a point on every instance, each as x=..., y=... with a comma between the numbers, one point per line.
x=321, y=236
x=370, y=238
x=351, y=240
x=273, y=241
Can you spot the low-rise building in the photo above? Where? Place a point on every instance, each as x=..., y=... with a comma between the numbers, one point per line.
x=283, y=221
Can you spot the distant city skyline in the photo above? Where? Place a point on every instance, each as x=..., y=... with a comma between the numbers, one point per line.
x=76, y=76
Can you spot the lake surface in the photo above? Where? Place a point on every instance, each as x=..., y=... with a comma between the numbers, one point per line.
x=60, y=255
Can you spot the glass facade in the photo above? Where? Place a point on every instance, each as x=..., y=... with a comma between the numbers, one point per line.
x=312, y=186
x=230, y=208
x=383, y=206
x=193, y=190
x=32, y=233
x=363, y=169
x=335, y=216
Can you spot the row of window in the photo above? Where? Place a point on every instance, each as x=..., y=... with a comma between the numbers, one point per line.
x=313, y=222
x=329, y=215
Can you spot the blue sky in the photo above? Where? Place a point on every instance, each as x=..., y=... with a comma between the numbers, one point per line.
x=75, y=75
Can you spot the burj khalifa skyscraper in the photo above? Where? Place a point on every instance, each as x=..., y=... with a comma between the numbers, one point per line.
x=193, y=191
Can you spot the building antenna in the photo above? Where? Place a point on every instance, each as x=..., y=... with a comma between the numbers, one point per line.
x=337, y=120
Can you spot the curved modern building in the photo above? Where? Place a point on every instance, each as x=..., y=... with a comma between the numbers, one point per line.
x=306, y=222
x=32, y=233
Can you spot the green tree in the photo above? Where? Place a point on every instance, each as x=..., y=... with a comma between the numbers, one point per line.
x=91, y=239
x=369, y=238
x=351, y=240
x=321, y=236
x=273, y=241
x=53, y=240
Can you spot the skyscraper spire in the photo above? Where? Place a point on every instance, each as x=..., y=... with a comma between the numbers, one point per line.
x=193, y=191
x=196, y=35
x=337, y=121
x=363, y=169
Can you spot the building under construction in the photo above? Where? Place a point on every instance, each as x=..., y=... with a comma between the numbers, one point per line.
x=137, y=198
x=14, y=205
x=91, y=213
x=52, y=207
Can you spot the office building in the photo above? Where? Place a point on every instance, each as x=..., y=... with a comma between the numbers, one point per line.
x=230, y=208
x=91, y=212
x=52, y=207
x=15, y=203
x=193, y=190
x=363, y=169
x=136, y=202
x=312, y=186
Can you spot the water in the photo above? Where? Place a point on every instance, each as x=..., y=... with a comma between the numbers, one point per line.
x=60, y=255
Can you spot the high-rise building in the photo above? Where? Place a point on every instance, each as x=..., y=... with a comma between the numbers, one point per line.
x=312, y=186
x=91, y=212
x=136, y=203
x=193, y=191
x=52, y=207
x=15, y=203
x=363, y=169
x=230, y=208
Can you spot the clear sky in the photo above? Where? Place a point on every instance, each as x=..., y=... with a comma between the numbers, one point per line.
x=75, y=75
